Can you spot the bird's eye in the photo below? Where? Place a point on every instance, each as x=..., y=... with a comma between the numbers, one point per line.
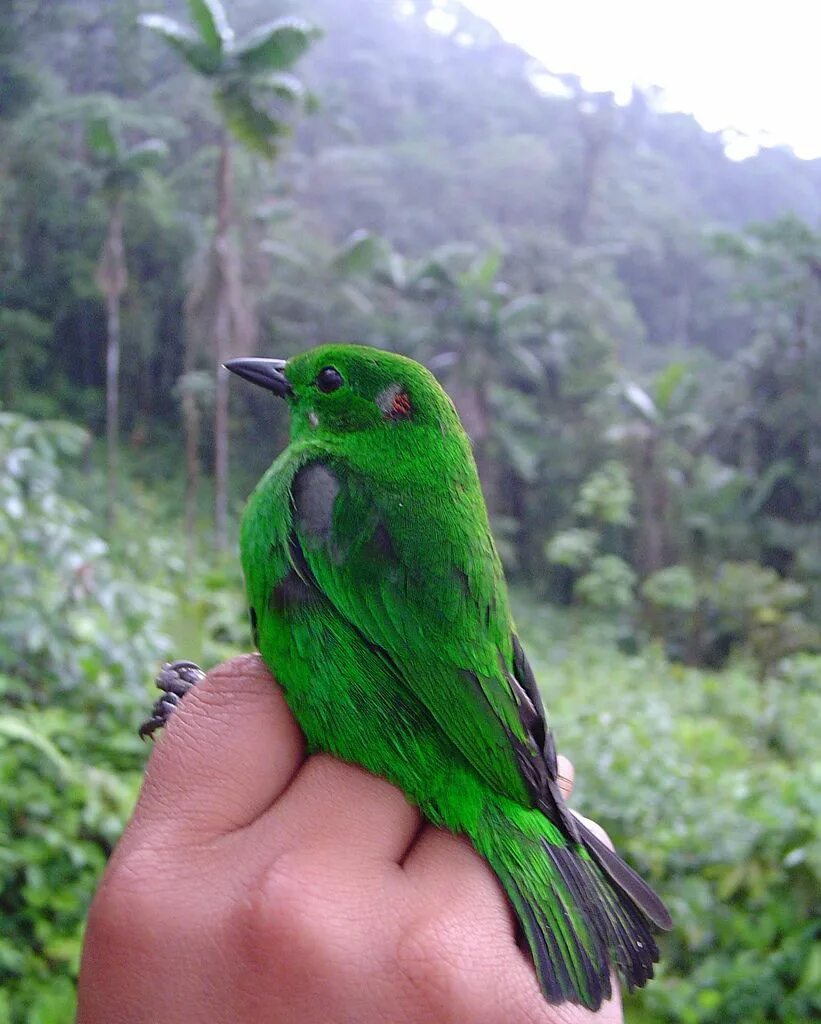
x=328, y=379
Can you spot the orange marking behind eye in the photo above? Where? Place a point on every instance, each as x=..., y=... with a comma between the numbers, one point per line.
x=401, y=405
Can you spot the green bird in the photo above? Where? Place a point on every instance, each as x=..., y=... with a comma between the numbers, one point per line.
x=378, y=600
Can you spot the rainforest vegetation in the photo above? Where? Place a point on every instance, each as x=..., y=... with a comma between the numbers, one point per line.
x=628, y=321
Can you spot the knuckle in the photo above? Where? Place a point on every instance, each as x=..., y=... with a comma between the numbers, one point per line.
x=282, y=920
x=304, y=922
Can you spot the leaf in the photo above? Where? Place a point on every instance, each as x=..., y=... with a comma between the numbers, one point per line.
x=311, y=102
x=454, y=253
x=641, y=401
x=100, y=138
x=609, y=584
x=519, y=452
x=780, y=470
x=286, y=253
x=357, y=299
x=359, y=253
x=485, y=268
x=530, y=362
x=397, y=269
x=212, y=22
x=13, y=728
x=145, y=155
x=276, y=46
x=607, y=496
x=666, y=384
x=574, y=547
x=284, y=86
x=202, y=58
x=520, y=310
x=248, y=123
x=674, y=587
x=441, y=267
x=428, y=272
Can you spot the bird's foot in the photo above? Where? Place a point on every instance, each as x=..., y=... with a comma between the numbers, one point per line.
x=175, y=680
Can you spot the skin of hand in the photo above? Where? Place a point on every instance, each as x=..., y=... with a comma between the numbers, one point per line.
x=254, y=885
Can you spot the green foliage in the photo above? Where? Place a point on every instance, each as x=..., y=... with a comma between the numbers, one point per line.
x=673, y=588
x=740, y=603
x=574, y=548
x=759, y=605
x=77, y=638
x=66, y=611
x=721, y=819
x=82, y=631
x=606, y=497
x=608, y=584
x=601, y=579
x=24, y=340
x=277, y=45
x=247, y=122
x=242, y=73
x=212, y=23
x=67, y=781
x=197, y=51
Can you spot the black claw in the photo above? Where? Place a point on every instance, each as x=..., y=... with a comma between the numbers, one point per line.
x=149, y=727
x=175, y=680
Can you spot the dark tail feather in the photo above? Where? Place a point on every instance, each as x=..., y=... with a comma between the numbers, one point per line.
x=625, y=878
x=583, y=911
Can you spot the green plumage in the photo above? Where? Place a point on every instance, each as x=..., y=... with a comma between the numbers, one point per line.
x=378, y=601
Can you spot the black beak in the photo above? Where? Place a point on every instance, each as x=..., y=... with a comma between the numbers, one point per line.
x=267, y=373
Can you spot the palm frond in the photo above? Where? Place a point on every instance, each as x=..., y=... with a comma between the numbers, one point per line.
x=194, y=51
x=249, y=123
x=277, y=45
x=360, y=253
x=285, y=87
x=101, y=138
x=212, y=23
x=145, y=155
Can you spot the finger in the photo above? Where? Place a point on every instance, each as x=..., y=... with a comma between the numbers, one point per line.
x=228, y=751
x=565, y=776
x=452, y=874
x=596, y=829
x=467, y=923
x=475, y=928
x=330, y=802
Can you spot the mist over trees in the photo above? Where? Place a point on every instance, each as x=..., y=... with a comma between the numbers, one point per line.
x=628, y=321
x=583, y=273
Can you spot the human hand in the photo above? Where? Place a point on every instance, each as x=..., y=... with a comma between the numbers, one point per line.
x=255, y=886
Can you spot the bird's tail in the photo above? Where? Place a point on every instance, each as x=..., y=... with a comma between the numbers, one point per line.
x=582, y=910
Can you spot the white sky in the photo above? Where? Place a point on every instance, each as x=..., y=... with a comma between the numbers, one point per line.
x=751, y=65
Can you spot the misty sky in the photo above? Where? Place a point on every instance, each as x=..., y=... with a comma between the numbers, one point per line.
x=754, y=65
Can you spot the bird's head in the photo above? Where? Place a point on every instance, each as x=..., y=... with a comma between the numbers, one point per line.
x=344, y=389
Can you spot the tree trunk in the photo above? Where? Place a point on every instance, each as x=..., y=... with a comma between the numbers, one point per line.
x=596, y=132
x=469, y=391
x=191, y=418
x=111, y=277
x=112, y=404
x=222, y=337
x=652, y=540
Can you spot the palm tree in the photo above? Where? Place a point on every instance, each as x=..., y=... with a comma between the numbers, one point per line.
x=246, y=76
x=122, y=168
x=662, y=433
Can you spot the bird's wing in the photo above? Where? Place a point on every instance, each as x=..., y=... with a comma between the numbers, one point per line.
x=437, y=608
